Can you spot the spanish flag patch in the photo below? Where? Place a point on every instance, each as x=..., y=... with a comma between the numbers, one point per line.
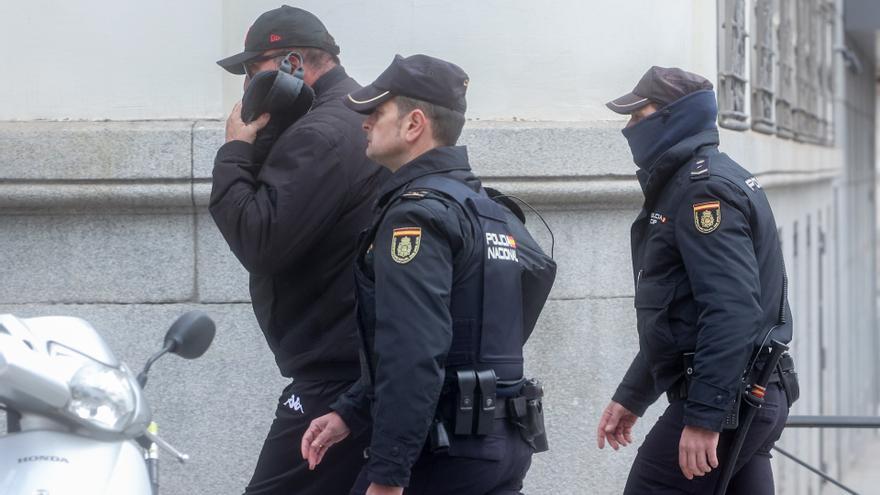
x=405, y=244
x=707, y=216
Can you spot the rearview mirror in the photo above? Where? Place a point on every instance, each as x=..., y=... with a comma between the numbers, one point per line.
x=190, y=335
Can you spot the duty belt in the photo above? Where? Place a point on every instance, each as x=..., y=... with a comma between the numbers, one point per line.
x=473, y=400
x=679, y=390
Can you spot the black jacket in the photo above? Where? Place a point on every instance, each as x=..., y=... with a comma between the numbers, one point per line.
x=293, y=222
x=404, y=311
x=709, y=277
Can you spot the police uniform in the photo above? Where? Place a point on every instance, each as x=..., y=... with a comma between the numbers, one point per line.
x=439, y=295
x=710, y=286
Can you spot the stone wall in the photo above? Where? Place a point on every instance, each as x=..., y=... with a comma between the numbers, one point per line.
x=108, y=221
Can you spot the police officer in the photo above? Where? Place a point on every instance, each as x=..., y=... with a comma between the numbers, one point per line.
x=434, y=327
x=710, y=294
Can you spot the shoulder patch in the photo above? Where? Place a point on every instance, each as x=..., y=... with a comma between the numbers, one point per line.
x=700, y=169
x=415, y=194
x=405, y=244
x=753, y=184
x=707, y=216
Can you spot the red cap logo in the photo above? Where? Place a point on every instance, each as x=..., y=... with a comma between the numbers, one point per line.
x=273, y=38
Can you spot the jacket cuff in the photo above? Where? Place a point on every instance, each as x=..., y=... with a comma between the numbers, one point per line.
x=631, y=400
x=707, y=405
x=355, y=415
x=387, y=468
x=238, y=149
x=704, y=417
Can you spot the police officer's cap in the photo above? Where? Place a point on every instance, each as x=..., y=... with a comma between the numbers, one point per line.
x=661, y=86
x=419, y=77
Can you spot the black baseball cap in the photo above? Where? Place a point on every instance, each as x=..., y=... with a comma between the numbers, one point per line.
x=661, y=86
x=419, y=77
x=283, y=27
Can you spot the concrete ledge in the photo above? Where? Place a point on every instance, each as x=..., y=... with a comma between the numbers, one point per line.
x=783, y=179
x=96, y=150
x=62, y=166
x=500, y=149
x=30, y=196
x=574, y=192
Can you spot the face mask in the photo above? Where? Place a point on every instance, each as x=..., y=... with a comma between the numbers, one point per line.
x=283, y=95
x=646, y=139
x=683, y=118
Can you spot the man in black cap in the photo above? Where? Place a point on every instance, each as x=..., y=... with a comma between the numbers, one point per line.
x=710, y=295
x=426, y=322
x=291, y=211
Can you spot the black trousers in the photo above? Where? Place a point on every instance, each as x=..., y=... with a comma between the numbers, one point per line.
x=442, y=474
x=656, y=471
x=281, y=469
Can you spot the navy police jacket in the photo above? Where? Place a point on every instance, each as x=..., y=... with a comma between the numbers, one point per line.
x=420, y=277
x=709, y=277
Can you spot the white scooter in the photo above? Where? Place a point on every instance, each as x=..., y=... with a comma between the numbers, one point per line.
x=77, y=419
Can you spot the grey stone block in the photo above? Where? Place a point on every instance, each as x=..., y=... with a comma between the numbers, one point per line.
x=591, y=250
x=221, y=277
x=217, y=408
x=501, y=149
x=550, y=149
x=547, y=163
x=97, y=258
x=207, y=138
x=95, y=150
x=201, y=192
x=580, y=350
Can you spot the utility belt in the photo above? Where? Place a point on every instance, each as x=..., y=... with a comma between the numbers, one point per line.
x=472, y=400
x=784, y=374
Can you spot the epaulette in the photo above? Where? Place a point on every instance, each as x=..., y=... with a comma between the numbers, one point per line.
x=415, y=194
x=700, y=168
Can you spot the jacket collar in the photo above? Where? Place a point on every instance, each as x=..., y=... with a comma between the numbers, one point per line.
x=330, y=79
x=435, y=161
x=654, y=179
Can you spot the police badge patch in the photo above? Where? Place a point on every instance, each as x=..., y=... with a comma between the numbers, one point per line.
x=405, y=244
x=707, y=216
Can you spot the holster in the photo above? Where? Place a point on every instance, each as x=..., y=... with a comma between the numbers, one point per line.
x=526, y=412
x=789, y=379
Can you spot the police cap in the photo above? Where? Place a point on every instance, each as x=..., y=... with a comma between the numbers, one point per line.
x=419, y=77
x=661, y=86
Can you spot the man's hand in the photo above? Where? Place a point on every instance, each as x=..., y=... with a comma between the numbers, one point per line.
x=375, y=489
x=322, y=433
x=697, y=451
x=237, y=130
x=616, y=426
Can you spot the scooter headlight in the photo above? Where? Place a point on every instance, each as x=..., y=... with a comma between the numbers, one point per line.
x=102, y=397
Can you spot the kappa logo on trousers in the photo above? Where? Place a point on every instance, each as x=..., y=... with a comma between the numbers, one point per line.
x=294, y=403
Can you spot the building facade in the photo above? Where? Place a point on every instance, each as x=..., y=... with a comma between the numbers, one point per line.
x=109, y=128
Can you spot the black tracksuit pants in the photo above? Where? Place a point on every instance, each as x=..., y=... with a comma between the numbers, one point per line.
x=655, y=470
x=281, y=469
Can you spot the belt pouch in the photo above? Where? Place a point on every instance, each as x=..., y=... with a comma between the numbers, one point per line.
x=464, y=405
